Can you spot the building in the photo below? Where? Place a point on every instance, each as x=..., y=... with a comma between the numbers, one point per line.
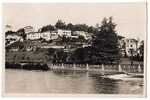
x=128, y=47
x=28, y=29
x=46, y=35
x=80, y=33
x=11, y=38
x=61, y=32
x=53, y=35
x=131, y=47
x=33, y=36
x=86, y=35
x=122, y=46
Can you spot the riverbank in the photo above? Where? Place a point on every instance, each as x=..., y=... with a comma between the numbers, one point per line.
x=27, y=66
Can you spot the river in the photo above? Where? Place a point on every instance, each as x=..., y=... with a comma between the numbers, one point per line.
x=24, y=81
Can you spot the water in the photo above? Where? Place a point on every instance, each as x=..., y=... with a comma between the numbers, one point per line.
x=23, y=81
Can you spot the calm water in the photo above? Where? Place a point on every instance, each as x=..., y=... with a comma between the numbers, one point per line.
x=22, y=81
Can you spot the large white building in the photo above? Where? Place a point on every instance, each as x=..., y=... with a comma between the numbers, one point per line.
x=129, y=46
x=44, y=35
x=51, y=35
x=64, y=32
x=33, y=36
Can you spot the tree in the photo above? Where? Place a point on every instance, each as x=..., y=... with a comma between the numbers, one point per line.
x=9, y=33
x=47, y=28
x=60, y=25
x=105, y=42
x=70, y=26
x=80, y=27
x=21, y=32
x=91, y=29
x=81, y=38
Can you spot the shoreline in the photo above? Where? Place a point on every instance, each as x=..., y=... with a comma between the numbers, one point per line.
x=27, y=66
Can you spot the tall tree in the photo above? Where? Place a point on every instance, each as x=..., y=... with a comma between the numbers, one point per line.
x=21, y=32
x=47, y=28
x=70, y=26
x=60, y=24
x=105, y=42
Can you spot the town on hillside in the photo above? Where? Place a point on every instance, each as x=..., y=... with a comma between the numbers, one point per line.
x=72, y=43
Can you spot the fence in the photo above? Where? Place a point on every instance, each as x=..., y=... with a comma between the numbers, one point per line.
x=137, y=68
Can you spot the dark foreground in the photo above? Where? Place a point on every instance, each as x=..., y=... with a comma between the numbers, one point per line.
x=27, y=66
x=24, y=81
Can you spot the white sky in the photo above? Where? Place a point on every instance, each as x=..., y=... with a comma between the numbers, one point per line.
x=129, y=17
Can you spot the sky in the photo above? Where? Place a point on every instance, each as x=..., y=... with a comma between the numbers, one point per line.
x=129, y=17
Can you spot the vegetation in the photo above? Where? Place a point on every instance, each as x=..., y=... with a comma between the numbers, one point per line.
x=105, y=42
x=104, y=47
x=47, y=28
x=62, y=25
x=21, y=32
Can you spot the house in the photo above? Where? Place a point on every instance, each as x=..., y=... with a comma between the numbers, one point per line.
x=11, y=38
x=49, y=35
x=61, y=32
x=46, y=35
x=129, y=46
x=80, y=33
x=53, y=35
x=86, y=35
x=33, y=36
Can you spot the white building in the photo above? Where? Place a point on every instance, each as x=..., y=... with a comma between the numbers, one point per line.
x=53, y=35
x=28, y=29
x=82, y=33
x=86, y=35
x=45, y=35
x=130, y=46
x=33, y=36
x=61, y=32
x=13, y=38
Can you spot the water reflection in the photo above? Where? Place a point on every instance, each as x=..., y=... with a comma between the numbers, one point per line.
x=20, y=81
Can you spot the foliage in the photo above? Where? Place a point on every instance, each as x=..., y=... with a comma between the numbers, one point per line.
x=10, y=33
x=21, y=32
x=60, y=24
x=105, y=42
x=47, y=28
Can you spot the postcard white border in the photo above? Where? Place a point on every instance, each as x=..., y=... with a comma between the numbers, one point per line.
x=60, y=95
